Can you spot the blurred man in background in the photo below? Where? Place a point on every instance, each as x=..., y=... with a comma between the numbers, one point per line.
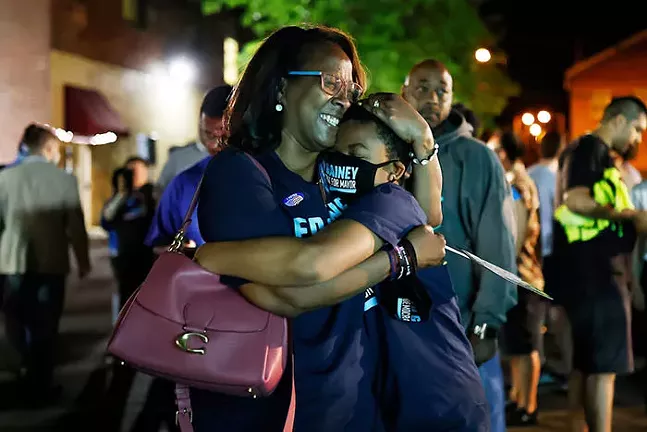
x=40, y=218
x=210, y=131
x=595, y=228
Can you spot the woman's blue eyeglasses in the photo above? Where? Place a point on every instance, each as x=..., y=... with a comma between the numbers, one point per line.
x=332, y=84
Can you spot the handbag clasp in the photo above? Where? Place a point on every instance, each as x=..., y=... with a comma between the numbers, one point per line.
x=182, y=342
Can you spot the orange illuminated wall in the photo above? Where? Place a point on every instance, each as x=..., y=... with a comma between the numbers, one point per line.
x=618, y=71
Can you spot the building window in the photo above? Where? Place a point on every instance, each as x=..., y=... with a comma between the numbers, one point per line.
x=230, y=70
x=135, y=11
x=129, y=10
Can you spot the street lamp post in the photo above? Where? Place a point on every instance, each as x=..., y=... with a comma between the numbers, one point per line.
x=482, y=55
x=527, y=119
x=543, y=116
x=535, y=130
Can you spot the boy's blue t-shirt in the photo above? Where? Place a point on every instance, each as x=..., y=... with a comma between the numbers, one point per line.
x=238, y=201
x=426, y=378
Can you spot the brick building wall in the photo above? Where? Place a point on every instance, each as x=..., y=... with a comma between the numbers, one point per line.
x=24, y=70
x=97, y=46
x=98, y=30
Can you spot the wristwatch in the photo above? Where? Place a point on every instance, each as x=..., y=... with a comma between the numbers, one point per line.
x=483, y=331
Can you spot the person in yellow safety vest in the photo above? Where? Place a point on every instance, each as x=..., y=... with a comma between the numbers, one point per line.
x=595, y=227
x=610, y=192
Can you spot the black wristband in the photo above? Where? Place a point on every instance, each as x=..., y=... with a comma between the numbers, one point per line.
x=403, y=262
x=411, y=253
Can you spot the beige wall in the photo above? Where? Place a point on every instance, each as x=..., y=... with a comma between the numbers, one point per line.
x=146, y=103
x=24, y=70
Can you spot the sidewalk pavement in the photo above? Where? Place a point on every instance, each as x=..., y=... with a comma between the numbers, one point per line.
x=84, y=331
x=82, y=370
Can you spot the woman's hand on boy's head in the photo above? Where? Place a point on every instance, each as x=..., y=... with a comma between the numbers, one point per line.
x=403, y=119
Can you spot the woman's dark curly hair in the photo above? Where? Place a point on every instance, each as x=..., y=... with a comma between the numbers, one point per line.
x=252, y=121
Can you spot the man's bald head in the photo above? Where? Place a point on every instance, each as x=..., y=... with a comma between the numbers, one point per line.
x=427, y=65
x=428, y=88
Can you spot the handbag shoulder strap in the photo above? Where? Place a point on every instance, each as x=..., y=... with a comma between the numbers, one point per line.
x=179, y=238
x=184, y=413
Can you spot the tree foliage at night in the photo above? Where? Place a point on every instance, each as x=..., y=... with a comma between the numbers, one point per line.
x=392, y=36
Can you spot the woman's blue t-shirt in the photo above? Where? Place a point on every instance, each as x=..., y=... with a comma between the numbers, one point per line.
x=238, y=202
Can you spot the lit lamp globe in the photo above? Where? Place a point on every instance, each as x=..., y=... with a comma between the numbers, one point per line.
x=543, y=116
x=182, y=69
x=527, y=119
x=535, y=130
x=482, y=55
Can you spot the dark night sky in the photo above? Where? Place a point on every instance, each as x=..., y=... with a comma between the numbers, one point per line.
x=542, y=39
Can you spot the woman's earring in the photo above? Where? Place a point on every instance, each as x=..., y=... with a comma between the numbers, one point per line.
x=278, y=107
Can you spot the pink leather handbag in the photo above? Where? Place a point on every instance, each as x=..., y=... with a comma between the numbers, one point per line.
x=185, y=325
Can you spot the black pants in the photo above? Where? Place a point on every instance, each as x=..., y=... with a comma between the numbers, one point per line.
x=129, y=276
x=33, y=308
x=159, y=407
x=2, y=289
x=641, y=324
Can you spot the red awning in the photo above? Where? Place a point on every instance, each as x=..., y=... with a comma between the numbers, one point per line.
x=88, y=113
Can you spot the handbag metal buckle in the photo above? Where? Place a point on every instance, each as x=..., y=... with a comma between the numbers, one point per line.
x=177, y=243
x=184, y=412
x=182, y=342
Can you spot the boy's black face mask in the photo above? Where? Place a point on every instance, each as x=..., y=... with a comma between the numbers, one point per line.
x=347, y=176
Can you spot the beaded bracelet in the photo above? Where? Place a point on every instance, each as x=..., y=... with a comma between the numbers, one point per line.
x=426, y=160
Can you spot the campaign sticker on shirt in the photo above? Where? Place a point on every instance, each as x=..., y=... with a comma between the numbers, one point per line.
x=294, y=200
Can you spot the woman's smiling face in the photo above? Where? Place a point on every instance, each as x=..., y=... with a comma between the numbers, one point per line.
x=311, y=115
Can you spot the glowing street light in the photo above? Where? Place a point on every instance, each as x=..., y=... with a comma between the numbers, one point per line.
x=543, y=116
x=535, y=130
x=527, y=119
x=482, y=55
x=182, y=69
